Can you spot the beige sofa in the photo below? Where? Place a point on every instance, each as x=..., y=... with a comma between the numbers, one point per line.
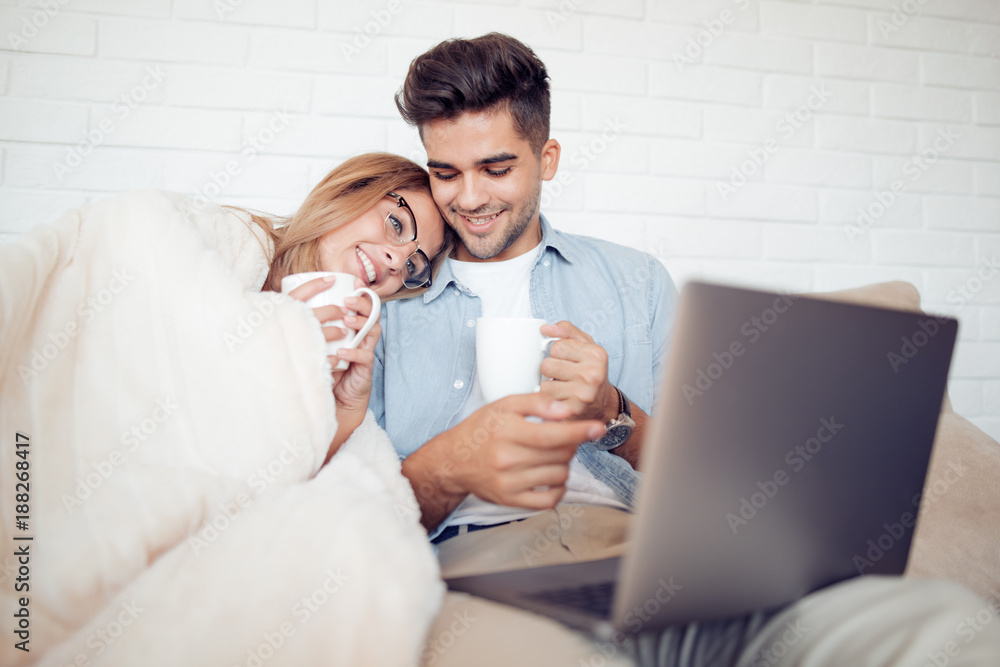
x=957, y=538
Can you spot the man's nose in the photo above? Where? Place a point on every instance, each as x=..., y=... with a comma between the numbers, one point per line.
x=472, y=195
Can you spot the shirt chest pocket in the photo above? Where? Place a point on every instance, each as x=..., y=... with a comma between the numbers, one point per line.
x=630, y=353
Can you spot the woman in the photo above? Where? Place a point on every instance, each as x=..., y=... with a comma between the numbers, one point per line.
x=374, y=218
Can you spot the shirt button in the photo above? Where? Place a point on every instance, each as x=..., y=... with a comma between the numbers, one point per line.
x=458, y=384
x=546, y=262
x=470, y=323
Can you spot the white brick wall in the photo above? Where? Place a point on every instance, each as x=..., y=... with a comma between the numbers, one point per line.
x=867, y=63
x=38, y=31
x=172, y=41
x=697, y=87
x=789, y=19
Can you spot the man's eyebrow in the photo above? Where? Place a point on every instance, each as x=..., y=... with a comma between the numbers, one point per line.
x=499, y=157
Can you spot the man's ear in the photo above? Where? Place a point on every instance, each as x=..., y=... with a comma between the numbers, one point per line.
x=550, y=159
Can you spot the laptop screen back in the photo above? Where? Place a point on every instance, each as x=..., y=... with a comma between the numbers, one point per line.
x=791, y=442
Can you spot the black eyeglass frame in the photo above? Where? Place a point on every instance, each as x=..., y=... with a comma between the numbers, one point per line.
x=391, y=235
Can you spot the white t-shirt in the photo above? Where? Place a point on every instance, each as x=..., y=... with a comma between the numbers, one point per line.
x=504, y=290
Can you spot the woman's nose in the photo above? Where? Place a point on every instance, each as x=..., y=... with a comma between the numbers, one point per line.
x=395, y=255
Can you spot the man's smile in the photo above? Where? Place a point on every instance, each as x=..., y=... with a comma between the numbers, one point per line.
x=479, y=223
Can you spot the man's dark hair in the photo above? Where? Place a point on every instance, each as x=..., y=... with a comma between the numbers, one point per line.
x=492, y=72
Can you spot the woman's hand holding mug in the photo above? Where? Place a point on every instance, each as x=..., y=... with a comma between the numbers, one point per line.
x=334, y=296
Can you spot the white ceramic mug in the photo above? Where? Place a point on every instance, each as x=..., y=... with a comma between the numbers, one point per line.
x=339, y=290
x=509, y=353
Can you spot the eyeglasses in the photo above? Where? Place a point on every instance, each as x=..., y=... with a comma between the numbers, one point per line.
x=400, y=229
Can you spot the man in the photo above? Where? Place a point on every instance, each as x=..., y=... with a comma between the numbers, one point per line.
x=487, y=172
x=493, y=481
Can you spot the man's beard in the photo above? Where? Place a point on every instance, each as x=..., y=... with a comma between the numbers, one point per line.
x=489, y=247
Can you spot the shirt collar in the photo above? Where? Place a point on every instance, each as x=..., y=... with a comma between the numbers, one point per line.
x=443, y=278
x=551, y=238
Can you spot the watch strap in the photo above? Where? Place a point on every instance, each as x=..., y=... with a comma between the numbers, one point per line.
x=619, y=428
x=623, y=404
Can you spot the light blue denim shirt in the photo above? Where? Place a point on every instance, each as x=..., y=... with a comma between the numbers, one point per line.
x=425, y=359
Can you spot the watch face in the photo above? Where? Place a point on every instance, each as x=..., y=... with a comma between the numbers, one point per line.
x=615, y=436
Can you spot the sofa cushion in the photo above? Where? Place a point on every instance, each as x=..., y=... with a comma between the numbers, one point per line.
x=958, y=529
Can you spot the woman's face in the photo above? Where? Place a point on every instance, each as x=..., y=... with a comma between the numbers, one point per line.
x=362, y=249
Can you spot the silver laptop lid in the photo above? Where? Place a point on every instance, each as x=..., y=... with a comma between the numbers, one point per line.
x=791, y=444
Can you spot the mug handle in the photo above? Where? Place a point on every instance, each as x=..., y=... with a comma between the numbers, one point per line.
x=548, y=340
x=372, y=317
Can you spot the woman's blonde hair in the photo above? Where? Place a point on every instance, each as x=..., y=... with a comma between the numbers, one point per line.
x=347, y=192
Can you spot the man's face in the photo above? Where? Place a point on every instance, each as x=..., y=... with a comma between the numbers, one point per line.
x=488, y=182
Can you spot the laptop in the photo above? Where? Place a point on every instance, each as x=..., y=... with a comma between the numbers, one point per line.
x=791, y=441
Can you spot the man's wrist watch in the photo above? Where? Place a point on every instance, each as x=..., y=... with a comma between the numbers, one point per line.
x=619, y=428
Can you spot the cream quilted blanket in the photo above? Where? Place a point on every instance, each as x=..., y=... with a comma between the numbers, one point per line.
x=173, y=421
